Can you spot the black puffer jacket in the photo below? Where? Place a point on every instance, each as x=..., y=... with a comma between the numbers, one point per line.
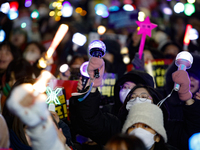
x=88, y=120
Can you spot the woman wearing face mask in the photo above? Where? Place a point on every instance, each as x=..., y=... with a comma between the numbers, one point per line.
x=33, y=52
x=124, y=85
x=88, y=120
x=141, y=94
x=145, y=121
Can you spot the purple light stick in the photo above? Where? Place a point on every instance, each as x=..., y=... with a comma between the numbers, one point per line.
x=84, y=73
x=145, y=29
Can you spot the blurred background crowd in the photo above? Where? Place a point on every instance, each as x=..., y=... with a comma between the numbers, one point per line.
x=28, y=27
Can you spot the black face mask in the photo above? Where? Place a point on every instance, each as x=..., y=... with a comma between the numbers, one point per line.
x=170, y=56
x=75, y=73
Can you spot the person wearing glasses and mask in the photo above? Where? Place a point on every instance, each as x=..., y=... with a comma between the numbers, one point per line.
x=141, y=94
x=124, y=85
x=88, y=120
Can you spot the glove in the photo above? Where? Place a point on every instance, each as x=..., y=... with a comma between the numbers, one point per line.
x=96, y=63
x=35, y=111
x=138, y=63
x=181, y=77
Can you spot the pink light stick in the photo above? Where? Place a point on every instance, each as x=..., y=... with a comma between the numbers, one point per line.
x=145, y=29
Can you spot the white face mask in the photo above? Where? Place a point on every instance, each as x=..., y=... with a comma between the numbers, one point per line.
x=123, y=93
x=146, y=136
x=137, y=100
x=31, y=56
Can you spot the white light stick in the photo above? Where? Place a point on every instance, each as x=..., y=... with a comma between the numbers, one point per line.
x=40, y=85
x=183, y=61
x=62, y=30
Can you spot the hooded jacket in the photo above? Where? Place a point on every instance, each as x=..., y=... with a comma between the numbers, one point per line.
x=135, y=76
x=173, y=101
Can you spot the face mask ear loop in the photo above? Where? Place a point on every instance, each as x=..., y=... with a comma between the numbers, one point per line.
x=163, y=100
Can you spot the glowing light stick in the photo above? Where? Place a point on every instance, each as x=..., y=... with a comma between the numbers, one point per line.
x=40, y=85
x=186, y=40
x=63, y=69
x=97, y=49
x=52, y=97
x=84, y=73
x=62, y=30
x=183, y=61
x=145, y=29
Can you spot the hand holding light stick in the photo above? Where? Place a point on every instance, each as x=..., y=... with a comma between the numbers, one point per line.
x=183, y=61
x=40, y=85
x=186, y=40
x=62, y=30
x=145, y=29
x=85, y=75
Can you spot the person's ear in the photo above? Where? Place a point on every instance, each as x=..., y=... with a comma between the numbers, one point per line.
x=157, y=138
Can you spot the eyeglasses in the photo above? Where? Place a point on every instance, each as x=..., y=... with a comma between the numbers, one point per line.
x=143, y=96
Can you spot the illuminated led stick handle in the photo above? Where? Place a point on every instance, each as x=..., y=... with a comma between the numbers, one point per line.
x=183, y=61
x=85, y=75
x=186, y=40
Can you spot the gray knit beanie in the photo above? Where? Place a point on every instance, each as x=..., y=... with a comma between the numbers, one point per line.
x=147, y=113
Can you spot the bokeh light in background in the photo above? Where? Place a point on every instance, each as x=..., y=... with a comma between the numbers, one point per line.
x=101, y=30
x=78, y=10
x=189, y=9
x=67, y=9
x=113, y=8
x=35, y=14
x=14, y=6
x=28, y=3
x=126, y=59
x=64, y=68
x=23, y=25
x=127, y=1
x=191, y=1
x=193, y=34
x=13, y=14
x=167, y=11
x=83, y=13
x=128, y=7
x=101, y=10
x=51, y=13
x=194, y=142
x=5, y=7
x=124, y=50
x=141, y=16
x=2, y=35
x=179, y=7
x=79, y=39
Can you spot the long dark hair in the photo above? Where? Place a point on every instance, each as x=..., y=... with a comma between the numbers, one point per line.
x=12, y=121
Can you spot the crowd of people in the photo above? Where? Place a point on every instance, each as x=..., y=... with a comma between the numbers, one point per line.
x=138, y=116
